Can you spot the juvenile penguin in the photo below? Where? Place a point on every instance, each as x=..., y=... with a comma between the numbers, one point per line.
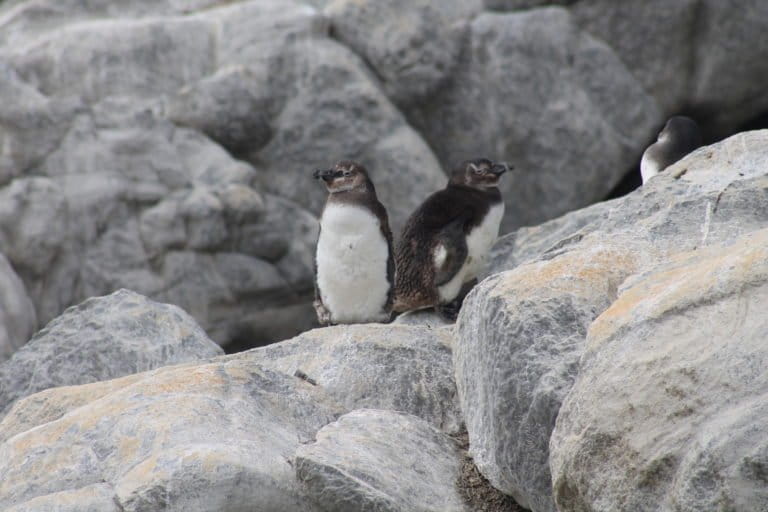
x=354, y=262
x=445, y=242
x=680, y=136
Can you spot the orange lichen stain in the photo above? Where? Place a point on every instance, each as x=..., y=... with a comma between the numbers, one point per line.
x=694, y=277
x=580, y=270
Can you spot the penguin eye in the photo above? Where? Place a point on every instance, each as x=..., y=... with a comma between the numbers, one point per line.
x=347, y=173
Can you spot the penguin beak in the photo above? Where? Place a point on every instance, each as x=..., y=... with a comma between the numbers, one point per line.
x=499, y=169
x=324, y=174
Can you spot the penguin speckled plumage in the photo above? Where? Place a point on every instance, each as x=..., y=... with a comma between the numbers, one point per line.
x=680, y=136
x=354, y=263
x=445, y=242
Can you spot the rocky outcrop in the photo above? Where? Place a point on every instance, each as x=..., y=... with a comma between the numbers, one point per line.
x=526, y=327
x=17, y=313
x=667, y=411
x=100, y=339
x=381, y=460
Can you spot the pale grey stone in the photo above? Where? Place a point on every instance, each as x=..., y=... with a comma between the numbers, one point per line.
x=211, y=436
x=526, y=326
x=17, y=314
x=90, y=498
x=381, y=460
x=413, y=46
x=100, y=339
x=393, y=367
x=667, y=412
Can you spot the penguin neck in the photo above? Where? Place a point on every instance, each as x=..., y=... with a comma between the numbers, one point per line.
x=358, y=195
x=490, y=194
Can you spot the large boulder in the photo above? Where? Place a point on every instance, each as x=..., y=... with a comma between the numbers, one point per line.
x=668, y=410
x=381, y=460
x=392, y=367
x=100, y=339
x=17, y=313
x=215, y=436
x=526, y=326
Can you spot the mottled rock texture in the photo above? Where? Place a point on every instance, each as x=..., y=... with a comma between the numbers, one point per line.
x=381, y=460
x=216, y=436
x=392, y=367
x=100, y=339
x=525, y=328
x=667, y=412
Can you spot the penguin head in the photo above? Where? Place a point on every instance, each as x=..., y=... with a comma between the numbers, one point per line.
x=345, y=175
x=479, y=173
x=682, y=129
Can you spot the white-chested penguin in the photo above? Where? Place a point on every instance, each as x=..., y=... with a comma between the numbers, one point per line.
x=445, y=242
x=354, y=263
x=680, y=136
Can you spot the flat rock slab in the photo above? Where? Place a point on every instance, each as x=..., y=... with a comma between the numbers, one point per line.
x=391, y=367
x=372, y=460
x=213, y=436
x=100, y=339
x=668, y=411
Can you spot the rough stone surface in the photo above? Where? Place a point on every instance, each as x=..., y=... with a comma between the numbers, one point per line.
x=100, y=339
x=381, y=460
x=526, y=327
x=17, y=313
x=216, y=436
x=668, y=409
x=412, y=46
x=392, y=367
x=534, y=89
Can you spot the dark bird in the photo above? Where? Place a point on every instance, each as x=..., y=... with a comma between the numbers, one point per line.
x=680, y=136
x=445, y=242
x=354, y=264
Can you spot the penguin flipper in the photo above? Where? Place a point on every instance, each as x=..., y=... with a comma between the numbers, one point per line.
x=450, y=251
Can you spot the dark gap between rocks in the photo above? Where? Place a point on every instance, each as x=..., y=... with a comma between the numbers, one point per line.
x=473, y=487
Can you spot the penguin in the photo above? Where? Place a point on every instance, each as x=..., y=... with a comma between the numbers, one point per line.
x=354, y=261
x=680, y=136
x=446, y=240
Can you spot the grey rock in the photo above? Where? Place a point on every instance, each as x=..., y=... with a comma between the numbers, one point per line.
x=334, y=109
x=90, y=498
x=428, y=318
x=655, y=39
x=536, y=90
x=100, y=339
x=412, y=46
x=17, y=314
x=667, y=411
x=381, y=460
x=526, y=326
x=392, y=367
x=212, y=436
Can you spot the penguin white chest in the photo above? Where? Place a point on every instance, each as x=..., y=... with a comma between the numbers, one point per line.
x=352, y=256
x=479, y=243
x=649, y=166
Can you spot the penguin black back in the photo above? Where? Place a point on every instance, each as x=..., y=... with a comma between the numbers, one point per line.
x=437, y=241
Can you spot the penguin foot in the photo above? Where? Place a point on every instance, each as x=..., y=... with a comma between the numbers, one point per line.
x=323, y=315
x=450, y=311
